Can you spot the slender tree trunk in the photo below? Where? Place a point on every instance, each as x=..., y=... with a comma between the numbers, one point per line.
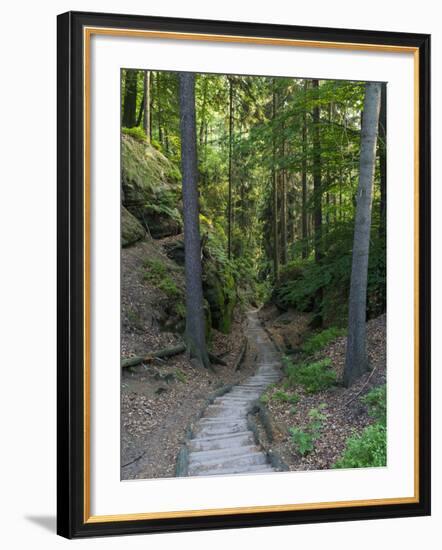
x=203, y=124
x=304, y=225
x=317, y=197
x=382, y=146
x=146, y=118
x=317, y=191
x=275, y=196
x=230, y=200
x=356, y=361
x=140, y=112
x=130, y=99
x=159, y=110
x=283, y=212
x=195, y=322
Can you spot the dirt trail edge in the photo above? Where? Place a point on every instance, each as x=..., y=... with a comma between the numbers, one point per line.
x=222, y=442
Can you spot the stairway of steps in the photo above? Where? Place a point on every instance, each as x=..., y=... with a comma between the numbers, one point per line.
x=221, y=442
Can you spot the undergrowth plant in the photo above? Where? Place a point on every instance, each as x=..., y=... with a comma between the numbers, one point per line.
x=318, y=341
x=304, y=440
x=156, y=273
x=314, y=377
x=369, y=448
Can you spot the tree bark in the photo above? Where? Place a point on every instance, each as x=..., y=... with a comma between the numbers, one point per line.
x=317, y=197
x=382, y=146
x=304, y=226
x=275, y=196
x=146, y=118
x=166, y=352
x=130, y=99
x=356, y=362
x=317, y=191
x=195, y=333
x=283, y=211
x=159, y=109
x=230, y=205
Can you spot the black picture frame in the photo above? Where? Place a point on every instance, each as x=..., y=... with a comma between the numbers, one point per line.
x=72, y=521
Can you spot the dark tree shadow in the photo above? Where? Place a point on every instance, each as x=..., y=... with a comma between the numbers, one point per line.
x=47, y=522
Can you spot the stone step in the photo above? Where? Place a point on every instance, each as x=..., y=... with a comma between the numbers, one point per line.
x=226, y=453
x=226, y=410
x=249, y=459
x=220, y=420
x=259, y=469
x=220, y=437
x=230, y=442
x=211, y=431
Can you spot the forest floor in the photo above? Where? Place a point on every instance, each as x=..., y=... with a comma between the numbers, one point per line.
x=344, y=411
x=159, y=400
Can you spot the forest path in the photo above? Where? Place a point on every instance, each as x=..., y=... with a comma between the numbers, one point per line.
x=222, y=442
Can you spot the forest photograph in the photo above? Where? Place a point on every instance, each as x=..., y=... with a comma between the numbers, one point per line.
x=253, y=274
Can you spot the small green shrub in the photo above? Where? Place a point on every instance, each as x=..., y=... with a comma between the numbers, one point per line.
x=284, y=397
x=134, y=319
x=366, y=450
x=304, y=440
x=179, y=375
x=313, y=377
x=376, y=401
x=318, y=341
x=264, y=399
x=156, y=273
x=136, y=132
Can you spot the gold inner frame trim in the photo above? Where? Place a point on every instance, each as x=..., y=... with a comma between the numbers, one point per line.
x=87, y=34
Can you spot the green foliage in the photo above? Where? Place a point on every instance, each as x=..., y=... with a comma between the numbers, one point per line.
x=150, y=180
x=369, y=448
x=136, y=132
x=304, y=440
x=366, y=450
x=301, y=279
x=180, y=375
x=157, y=274
x=376, y=400
x=134, y=319
x=284, y=397
x=314, y=377
x=318, y=341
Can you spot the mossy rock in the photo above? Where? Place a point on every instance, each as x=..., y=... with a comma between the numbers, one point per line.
x=151, y=188
x=219, y=291
x=131, y=229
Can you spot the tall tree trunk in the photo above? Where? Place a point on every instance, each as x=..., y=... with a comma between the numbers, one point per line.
x=159, y=109
x=230, y=199
x=195, y=322
x=356, y=361
x=317, y=191
x=203, y=125
x=283, y=209
x=130, y=99
x=382, y=146
x=275, y=196
x=146, y=118
x=317, y=197
x=304, y=226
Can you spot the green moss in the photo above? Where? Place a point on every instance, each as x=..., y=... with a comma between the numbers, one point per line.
x=131, y=229
x=156, y=273
x=151, y=188
x=220, y=292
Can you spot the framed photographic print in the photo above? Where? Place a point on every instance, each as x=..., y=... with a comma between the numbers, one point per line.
x=243, y=274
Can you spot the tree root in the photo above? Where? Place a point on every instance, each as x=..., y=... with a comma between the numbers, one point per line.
x=166, y=352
